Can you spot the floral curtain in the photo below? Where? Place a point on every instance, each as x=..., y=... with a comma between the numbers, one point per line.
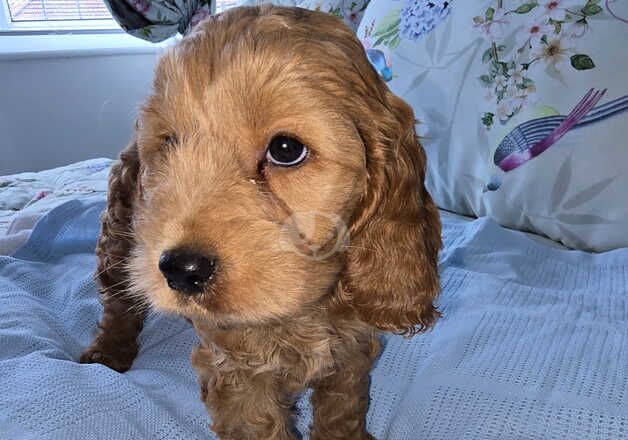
x=157, y=20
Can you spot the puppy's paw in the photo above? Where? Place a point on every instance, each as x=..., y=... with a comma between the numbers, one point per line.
x=113, y=356
x=354, y=436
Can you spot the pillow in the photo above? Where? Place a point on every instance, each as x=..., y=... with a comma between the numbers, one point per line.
x=349, y=11
x=522, y=107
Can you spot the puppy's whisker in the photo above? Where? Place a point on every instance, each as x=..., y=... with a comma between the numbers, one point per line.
x=126, y=293
x=112, y=288
x=141, y=305
x=137, y=309
x=111, y=266
x=113, y=255
x=123, y=234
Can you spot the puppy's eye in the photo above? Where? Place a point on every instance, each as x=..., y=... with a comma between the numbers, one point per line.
x=286, y=151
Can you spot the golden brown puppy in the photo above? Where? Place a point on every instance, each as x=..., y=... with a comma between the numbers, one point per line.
x=273, y=195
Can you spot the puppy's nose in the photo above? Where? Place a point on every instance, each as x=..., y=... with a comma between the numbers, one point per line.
x=187, y=271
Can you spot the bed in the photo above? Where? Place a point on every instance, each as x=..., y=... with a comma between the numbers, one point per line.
x=533, y=343
x=26, y=197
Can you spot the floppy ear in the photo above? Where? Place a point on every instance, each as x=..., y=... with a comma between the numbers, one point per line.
x=116, y=236
x=122, y=319
x=391, y=275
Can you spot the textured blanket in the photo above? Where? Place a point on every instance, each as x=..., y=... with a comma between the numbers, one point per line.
x=26, y=197
x=533, y=345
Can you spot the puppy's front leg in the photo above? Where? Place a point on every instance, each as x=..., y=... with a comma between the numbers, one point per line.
x=116, y=344
x=244, y=406
x=340, y=401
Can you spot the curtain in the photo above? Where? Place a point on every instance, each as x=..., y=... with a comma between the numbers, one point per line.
x=157, y=20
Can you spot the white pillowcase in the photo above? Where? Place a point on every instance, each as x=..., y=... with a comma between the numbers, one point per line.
x=349, y=11
x=492, y=83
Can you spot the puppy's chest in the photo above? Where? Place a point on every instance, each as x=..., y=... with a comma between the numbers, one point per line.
x=300, y=353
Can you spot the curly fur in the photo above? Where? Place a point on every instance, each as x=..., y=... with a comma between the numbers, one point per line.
x=274, y=321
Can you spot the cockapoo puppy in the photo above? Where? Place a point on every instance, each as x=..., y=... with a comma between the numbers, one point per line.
x=273, y=195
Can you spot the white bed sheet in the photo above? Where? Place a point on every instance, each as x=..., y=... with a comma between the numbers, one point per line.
x=532, y=345
x=26, y=197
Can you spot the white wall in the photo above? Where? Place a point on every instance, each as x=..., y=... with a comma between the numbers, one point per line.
x=67, y=106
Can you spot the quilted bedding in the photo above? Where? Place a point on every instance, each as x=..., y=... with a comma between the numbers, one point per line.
x=533, y=344
x=26, y=197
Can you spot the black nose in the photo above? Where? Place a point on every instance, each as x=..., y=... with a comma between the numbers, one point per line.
x=187, y=271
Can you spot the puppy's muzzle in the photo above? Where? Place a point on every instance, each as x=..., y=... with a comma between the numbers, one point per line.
x=187, y=271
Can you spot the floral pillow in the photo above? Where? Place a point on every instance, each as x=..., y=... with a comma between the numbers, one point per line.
x=523, y=107
x=349, y=11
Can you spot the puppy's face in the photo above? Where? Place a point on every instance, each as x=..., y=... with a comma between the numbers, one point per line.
x=252, y=165
x=268, y=145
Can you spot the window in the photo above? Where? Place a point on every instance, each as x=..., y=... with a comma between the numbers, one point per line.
x=53, y=15
x=16, y=15
x=49, y=10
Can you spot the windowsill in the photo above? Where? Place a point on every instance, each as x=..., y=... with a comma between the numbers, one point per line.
x=20, y=47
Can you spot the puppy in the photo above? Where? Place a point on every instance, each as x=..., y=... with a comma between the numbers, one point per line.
x=273, y=195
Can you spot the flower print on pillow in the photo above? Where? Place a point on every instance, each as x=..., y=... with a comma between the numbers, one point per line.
x=349, y=11
x=420, y=17
x=412, y=22
x=546, y=34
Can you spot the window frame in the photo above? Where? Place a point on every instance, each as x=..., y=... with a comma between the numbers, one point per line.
x=9, y=27
x=95, y=26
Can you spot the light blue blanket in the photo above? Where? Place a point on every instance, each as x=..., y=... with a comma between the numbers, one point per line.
x=533, y=345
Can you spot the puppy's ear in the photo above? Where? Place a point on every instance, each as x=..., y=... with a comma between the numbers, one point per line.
x=116, y=235
x=116, y=345
x=391, y=276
